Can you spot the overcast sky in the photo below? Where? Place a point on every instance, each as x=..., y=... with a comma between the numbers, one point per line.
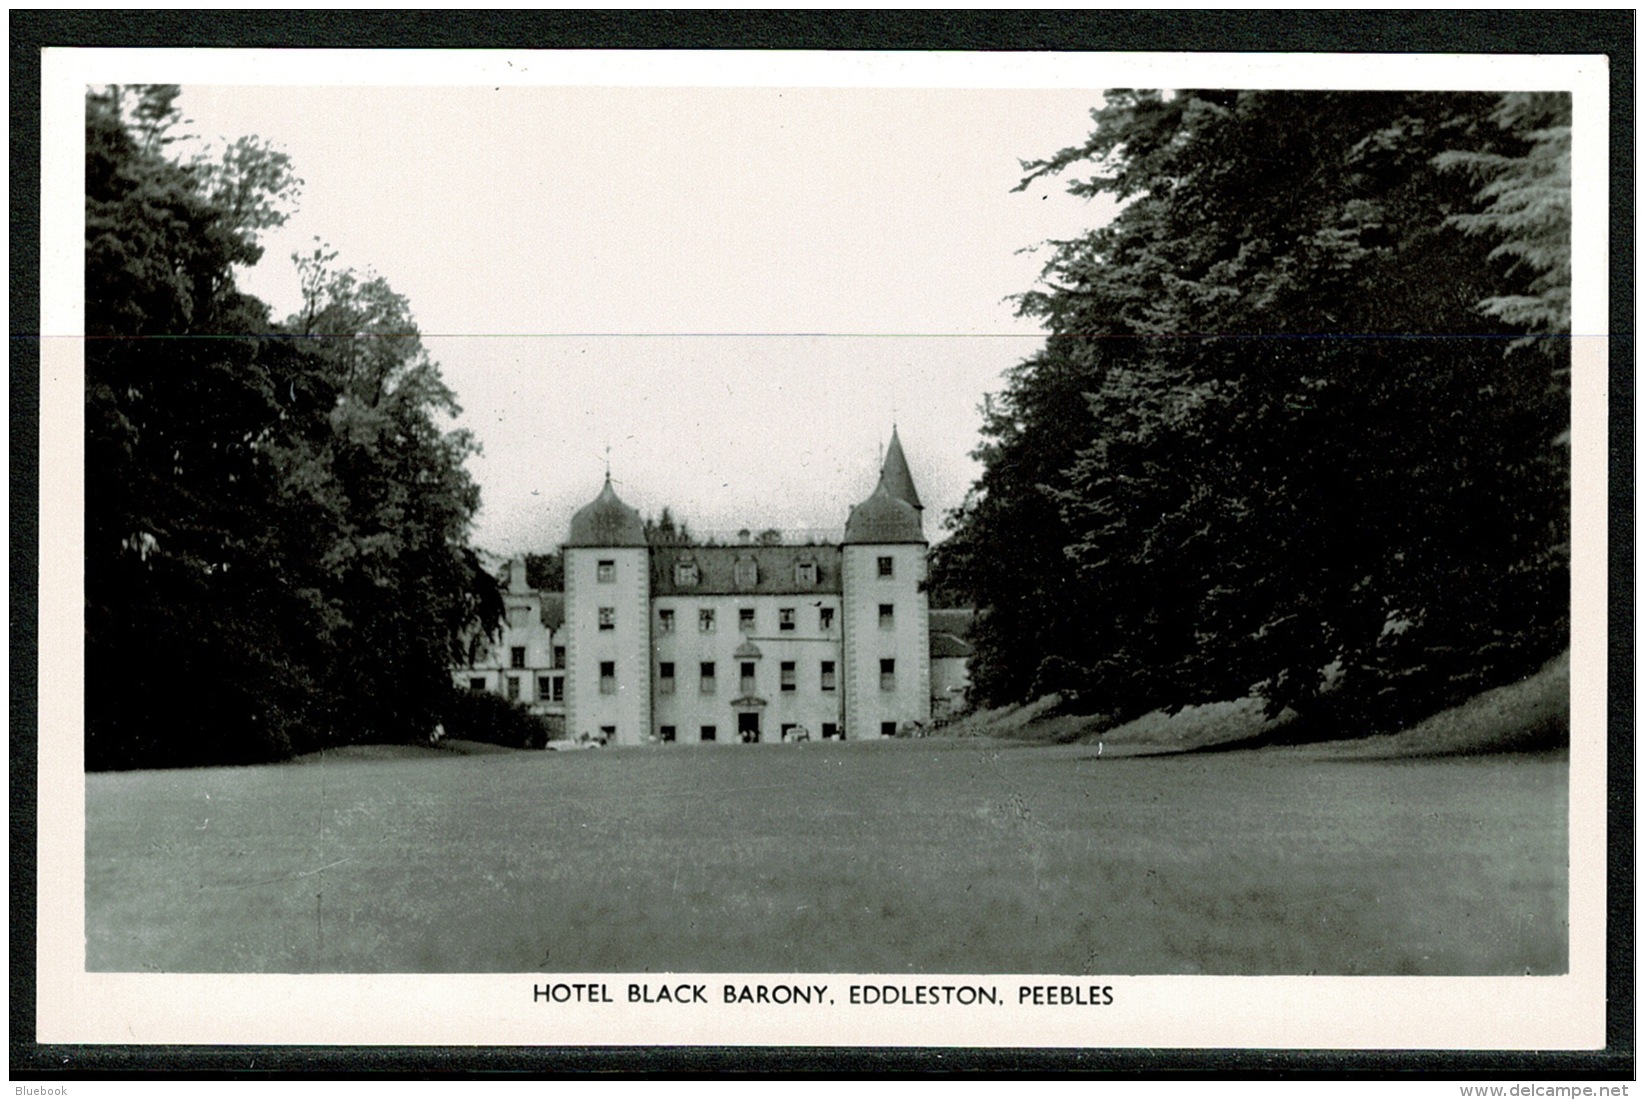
x=735, y=289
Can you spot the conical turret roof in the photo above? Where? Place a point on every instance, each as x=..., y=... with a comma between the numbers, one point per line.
x=606, y=521
x=883, y=518
x=894, y=473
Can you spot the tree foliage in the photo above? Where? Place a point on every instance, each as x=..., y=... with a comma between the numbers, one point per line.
x=275, y=520
x=1287, y=434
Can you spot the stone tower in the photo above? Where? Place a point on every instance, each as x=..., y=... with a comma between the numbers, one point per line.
x=886, y=632
x=608, y=622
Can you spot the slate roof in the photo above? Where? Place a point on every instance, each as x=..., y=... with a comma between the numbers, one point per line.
x=606, y=521
x=883, y=518
x=716, y=567
x=953, y=620
x=553, y=612
x=894, y=472
x=950, y=627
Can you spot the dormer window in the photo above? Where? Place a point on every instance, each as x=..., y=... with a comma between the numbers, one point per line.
x=805, y=573
x=747, y=573
x=686, y=574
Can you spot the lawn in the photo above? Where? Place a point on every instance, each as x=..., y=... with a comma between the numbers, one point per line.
x=934, y=856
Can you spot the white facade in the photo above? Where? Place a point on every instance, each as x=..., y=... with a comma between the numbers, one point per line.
x=527, y=661
x=607, y=601
x=748, y=643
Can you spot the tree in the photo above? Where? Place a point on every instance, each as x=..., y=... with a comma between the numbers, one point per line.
x=177, y=401
x=253, y=511
x=1362, y=527
x=665, y=530
x=545, y=572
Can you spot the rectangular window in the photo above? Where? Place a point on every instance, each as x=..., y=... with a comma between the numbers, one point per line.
x=706, y=678
x=828, y=675
x=667, y=733
x=805, y=573
x=608, y=677
x=825, y=618
x=559, y=656
x=559, y=689
x=887, y=616
x=888, y=729
x=788, y=728
x=476, y=683
x=665, y=677
x=886, y=567
x=608, y=734
x=606, y=572
x=785, y=618
x=748, y=678
x=608, y=618
x=685, y=574
x=707, y=733
x=513, y=687
x=745, y=619
x=665, y=620
x=831, y=730
x=518, y=616
x=747, y=573
x=888, y=674
x=545, y=688
x=705, y=620
x=788, y=675
x=516, y=656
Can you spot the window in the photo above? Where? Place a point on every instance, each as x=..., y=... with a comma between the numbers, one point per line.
x=787, y=675
x=667, y=733
x=888, y=729
x=517, y=616
x=828, y=675
x=707, y=733
x=785, y=618
x=685, y=574
x=886, y=567
x=887, y=616
x=665, y=620
x=559, y=656
x=608, y=618
x=888, y=674
x=608, y=677
x=513, y=687
x=745, y=619
x=805, y=573
x=788, y=728
x=545, y=688
x=748, y=678
x=605, y=572
x=831, y=730
x=476, y=683
x=665, y=677
x=608, y=734
x=747, y=573
x=516, y=657
x=825, y=618
x=705, y=620
x=706, y=678
x=559, y=689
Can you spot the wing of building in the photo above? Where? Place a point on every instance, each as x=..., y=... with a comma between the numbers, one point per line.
x=735, y=644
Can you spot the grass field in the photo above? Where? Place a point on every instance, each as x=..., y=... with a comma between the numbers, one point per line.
x=958, y=856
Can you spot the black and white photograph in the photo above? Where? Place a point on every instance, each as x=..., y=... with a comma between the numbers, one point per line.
x=816, y=548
